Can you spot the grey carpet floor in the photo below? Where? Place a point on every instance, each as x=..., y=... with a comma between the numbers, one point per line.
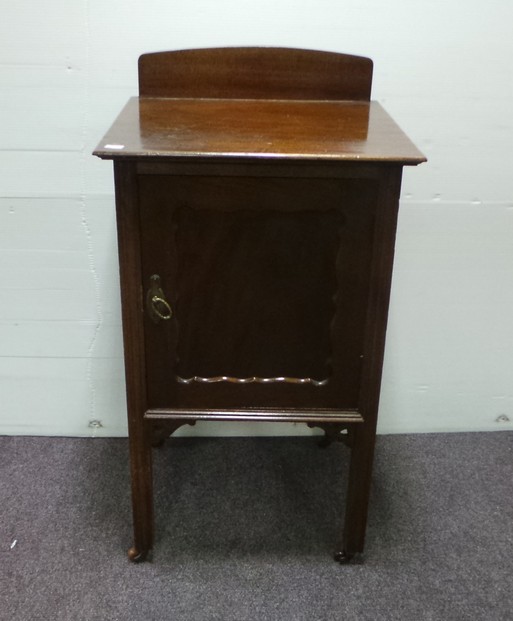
x=246, y=528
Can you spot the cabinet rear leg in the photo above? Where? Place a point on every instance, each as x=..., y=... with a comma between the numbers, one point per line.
x=360, y=475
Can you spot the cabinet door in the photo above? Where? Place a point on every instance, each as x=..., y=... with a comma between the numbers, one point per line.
x=256, y=290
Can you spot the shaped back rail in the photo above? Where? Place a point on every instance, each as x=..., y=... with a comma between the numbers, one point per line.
x=255, y=73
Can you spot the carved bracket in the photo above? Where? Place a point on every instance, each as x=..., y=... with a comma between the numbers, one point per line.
x=162, y=429
x=333, y=432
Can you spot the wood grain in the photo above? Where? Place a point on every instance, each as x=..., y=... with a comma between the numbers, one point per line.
x=319, y=130
x=281, y=270
x=249, y=72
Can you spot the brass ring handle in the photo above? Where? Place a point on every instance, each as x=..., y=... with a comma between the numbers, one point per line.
x=155, y=302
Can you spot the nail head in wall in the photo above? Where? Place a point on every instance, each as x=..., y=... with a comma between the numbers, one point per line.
x=502, y=419
x=95, y=424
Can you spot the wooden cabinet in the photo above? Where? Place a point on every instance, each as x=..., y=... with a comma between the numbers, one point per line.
x=257, y=192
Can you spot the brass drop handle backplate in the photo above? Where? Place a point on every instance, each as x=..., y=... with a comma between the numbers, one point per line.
x=157, y=305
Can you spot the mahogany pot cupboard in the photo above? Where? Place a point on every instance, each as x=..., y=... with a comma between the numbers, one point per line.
x=257, y=192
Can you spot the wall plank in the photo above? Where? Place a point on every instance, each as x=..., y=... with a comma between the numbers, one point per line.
x=66, y=70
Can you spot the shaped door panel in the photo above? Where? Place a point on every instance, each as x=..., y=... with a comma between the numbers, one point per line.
x=264, y=285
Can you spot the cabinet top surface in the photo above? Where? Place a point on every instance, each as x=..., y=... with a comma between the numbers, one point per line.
x=263, y=129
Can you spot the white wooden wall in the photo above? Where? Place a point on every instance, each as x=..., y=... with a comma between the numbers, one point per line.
x=442, y=69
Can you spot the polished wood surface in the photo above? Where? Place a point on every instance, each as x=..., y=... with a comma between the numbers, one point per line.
x=255, y=73
x=309, y=130
x=257, y=270
x=257, y=208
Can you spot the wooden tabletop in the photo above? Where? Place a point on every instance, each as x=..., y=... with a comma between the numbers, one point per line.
x=288, y=129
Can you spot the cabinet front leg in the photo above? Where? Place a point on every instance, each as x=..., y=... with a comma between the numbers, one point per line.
x=139, y=430
x=142, y=495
